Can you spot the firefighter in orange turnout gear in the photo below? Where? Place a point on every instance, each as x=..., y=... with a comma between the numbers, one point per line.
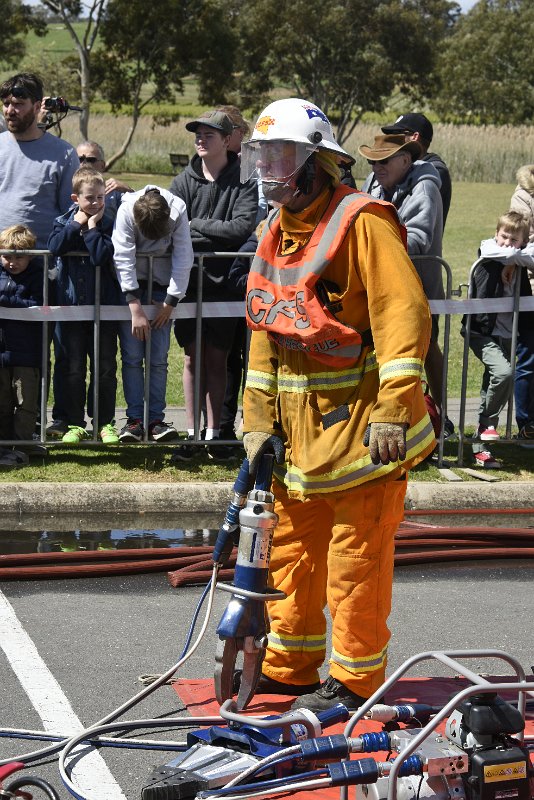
x=340, y=331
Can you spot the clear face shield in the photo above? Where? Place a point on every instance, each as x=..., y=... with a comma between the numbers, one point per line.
x=276, y=163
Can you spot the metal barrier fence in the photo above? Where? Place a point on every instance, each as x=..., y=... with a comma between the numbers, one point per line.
x=98, y=313
x=470, y=307
x=49, y=314
x=508, y=438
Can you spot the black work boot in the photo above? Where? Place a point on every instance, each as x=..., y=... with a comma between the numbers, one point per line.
x=328, y=695
x=268, y=685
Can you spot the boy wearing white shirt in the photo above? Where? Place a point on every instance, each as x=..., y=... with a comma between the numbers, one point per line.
x=151, y=221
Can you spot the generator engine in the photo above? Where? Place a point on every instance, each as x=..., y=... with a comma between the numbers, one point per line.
x=476, y=759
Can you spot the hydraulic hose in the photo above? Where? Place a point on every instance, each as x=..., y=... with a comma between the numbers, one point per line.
x=193, y=565
x=44, y=786
x=55, y=748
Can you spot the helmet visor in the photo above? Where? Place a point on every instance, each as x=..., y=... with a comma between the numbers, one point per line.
x=274, y=160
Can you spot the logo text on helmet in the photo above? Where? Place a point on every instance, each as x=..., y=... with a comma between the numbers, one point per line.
x=267, y=309
x=312, y=112
x=264, y=123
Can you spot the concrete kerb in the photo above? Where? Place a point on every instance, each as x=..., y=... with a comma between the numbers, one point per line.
x=187, y=500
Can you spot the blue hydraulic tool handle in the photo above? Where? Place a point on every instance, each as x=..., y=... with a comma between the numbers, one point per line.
x=244, y=626
x=228, y=535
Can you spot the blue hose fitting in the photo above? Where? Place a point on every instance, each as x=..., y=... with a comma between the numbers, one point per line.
x=348, y=773
x=411, y=766
x=323, y=747
x=373, y=742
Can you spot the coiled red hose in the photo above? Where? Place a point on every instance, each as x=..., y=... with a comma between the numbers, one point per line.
x=415, y=543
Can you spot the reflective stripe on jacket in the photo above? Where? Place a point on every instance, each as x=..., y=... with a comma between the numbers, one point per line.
x=287, y=297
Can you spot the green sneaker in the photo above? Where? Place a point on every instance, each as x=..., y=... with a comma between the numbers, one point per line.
x=75, y=434
x=108, y=434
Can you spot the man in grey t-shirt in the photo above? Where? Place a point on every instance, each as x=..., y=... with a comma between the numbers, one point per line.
x=36, y=168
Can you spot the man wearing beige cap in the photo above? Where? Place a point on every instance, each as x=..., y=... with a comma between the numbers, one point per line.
x=413, y=186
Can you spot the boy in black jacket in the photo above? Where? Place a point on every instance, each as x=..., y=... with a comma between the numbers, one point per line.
x=21, y=286
x=86, y=228
x=491, y=332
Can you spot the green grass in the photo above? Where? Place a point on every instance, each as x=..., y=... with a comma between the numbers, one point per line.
x=57, y=43
x=120, y=464
x=151, y=464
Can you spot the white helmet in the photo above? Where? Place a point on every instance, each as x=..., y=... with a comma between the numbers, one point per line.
x=287, y=121
x=291, y=120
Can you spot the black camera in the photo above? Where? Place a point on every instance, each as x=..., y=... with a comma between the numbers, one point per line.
x=58, y=105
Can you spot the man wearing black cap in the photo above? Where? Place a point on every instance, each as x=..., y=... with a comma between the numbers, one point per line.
x=417, y=128
x=222, y=215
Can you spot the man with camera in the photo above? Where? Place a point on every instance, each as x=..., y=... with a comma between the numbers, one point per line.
x=36, y=168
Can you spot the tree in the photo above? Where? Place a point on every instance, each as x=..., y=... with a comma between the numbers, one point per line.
x=348, y=57
x=18, y=20
x=83, y=38
x=147, y=49
x=485, y=69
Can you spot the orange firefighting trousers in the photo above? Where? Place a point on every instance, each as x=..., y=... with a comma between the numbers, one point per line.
x=336, y=549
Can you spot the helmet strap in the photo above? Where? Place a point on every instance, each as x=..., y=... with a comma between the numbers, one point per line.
x=306, y=176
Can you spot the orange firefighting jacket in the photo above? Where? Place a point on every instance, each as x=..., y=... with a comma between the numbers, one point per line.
x=321, y=411
x=287, y=297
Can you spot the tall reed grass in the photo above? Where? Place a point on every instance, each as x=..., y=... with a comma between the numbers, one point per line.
x=484, y=154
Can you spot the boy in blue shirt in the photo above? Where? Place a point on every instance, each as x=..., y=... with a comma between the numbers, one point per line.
x=86, y=227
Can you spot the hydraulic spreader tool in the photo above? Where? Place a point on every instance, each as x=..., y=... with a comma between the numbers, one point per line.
x=250, y=521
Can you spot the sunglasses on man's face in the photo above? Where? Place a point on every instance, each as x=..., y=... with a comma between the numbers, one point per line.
x=88, y=159
x=383, y=160
x=19, y=93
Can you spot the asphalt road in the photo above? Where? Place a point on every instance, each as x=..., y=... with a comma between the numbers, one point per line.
x=95, y=637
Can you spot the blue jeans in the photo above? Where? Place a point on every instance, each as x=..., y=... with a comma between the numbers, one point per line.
x=73, y=346
x=524, y=379
x=133, y=366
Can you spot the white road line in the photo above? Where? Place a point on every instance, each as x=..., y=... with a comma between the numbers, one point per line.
x=51, y=704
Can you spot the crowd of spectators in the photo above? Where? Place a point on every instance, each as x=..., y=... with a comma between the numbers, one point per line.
x=58, y=197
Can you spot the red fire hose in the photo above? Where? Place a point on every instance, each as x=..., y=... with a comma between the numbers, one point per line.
x=415, y=543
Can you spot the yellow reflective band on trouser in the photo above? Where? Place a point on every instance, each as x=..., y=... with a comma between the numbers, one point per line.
x=291, y=644
x=399, y=367
x=418, y=439
x=334, y=550
x=325, y=381
x=358, y=665
x=261, y=380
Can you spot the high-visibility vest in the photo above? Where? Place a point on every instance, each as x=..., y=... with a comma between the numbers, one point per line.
x=285, y=294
